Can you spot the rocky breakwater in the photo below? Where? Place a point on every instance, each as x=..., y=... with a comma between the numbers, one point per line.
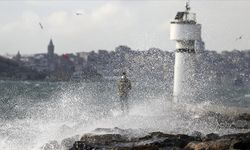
x=159, y=140
x=126, y=139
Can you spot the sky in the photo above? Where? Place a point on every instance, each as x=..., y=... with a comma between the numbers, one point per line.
x=106, y=24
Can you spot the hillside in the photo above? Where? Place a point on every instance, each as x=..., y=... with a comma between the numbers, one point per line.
x=11, y=70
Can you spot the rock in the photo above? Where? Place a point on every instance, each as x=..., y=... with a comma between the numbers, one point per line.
x=153, y=140
x=159, y=140
x=211, y=136
x=68, y=142
x=156, y=135
x=160, y=134
x=197, y=134
x=52, y=145
x=244, y=116
x=221, y=144
x=105, y=139
x=193, y=145
x=236, y=136
x=141, y=147
x=79, y=145
x=233, y=141
x=115, y=130
x=241, y=144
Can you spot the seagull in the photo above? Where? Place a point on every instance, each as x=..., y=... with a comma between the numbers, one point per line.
x=41, y=26
x=239, y=38
x=78, y=14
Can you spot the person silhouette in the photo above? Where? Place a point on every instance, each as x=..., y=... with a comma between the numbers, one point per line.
x=124, y=86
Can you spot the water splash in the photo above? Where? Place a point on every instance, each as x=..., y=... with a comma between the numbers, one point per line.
x=74, y=109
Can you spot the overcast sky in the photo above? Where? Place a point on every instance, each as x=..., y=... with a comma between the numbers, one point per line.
x=105, y=24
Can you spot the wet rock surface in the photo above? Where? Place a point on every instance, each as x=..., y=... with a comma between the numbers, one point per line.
x=151, y=141
x=68, y=142
x=119, y=139
x=127, y=139
x=159, y=140
x=234, y=141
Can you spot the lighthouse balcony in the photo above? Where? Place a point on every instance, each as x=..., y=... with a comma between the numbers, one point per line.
x=184, y=50
x=184, y=22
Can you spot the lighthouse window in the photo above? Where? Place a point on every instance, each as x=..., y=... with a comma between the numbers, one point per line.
x=179, y=15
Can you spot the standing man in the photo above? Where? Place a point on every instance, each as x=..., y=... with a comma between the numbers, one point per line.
x=124, y=86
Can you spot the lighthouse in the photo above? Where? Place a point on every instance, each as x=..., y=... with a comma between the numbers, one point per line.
x=187, y=34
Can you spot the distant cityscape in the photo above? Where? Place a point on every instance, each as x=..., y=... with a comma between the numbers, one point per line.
x=227, y=67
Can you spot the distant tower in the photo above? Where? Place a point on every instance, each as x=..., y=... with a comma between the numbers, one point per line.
x=50, y=56
x=17, y=57
x=187, y=34
x=51, y=49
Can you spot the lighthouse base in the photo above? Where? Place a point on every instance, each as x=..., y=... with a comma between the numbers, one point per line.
x=184, y=76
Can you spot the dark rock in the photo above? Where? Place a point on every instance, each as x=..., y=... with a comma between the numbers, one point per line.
x=241, y=144
x=141, y=147
x=68, y=142
x=236, y=136
x=197, y=134
x=156, y=135
x=211, y=136
x=232, y=141
x=113, y=130
x=161, y=135
x=105, y=139
x=154, y=140
x=159, y=140
x=244, y=116
x=79, y=145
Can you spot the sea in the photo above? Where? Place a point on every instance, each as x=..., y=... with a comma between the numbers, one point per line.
x=34, y=113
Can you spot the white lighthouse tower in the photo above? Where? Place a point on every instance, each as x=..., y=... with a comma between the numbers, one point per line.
x=187, y=34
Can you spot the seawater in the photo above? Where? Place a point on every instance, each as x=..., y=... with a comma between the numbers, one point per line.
x=34, y=113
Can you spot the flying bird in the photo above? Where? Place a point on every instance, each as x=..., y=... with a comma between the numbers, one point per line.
x=239, y=38
x=78, y=14
x=41, y=26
